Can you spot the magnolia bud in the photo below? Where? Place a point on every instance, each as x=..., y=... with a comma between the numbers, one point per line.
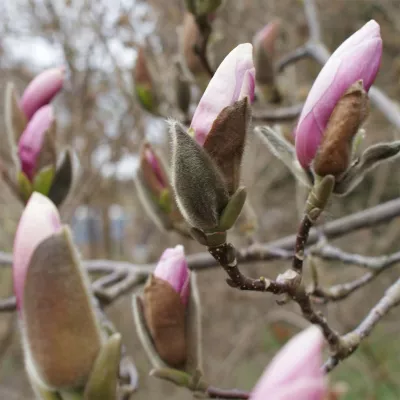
x=168, y=319
x=165, y=297
x=334, y=153
x=35, y=145
x=295, y=372
x=155, y=193
x=206, y=168
x=61, y=337
x=144, y=85
x=264, y=54
x=358, y=58
x=42, y=90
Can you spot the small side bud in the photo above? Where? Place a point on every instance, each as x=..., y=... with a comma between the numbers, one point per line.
x=334, y=154
x=144, y=85
x=264, y=57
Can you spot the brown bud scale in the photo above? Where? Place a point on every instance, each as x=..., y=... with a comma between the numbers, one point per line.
x=165, y=318
x=334, y=154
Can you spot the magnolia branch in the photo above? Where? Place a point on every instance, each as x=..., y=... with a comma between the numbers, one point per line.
x=121, y=276
x=351, y=341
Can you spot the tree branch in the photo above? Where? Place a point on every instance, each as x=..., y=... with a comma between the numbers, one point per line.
x=282, y=114
x=351, y=341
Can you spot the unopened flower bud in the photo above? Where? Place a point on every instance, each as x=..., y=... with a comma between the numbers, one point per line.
x=42, y=90
x=264, y=57
x=154, y=190
x=33, y=140
x=144, y=85
x=295, y=372
x=207, y=159
x=358, y=58
x=61, y=337
x=165, y=297
x=173, y=269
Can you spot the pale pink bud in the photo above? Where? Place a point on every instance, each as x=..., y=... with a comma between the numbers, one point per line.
x=233, y=80
x=173, y=269
x=266, y=37
x=41, y=90
x=153, y=161
x=31, y=141
x=358, y=58
x=295, y=372
x=39, y=220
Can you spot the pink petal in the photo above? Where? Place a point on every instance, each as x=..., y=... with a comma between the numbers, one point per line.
x=358, y=58
x=224, y=89
x=39, y=220
x=155, y=165
x=31, y=141
x=299, y=360
x=41, y=90
x=173, y=268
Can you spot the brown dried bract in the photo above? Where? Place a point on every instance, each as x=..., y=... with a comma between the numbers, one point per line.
x=226, y=141
x=165, y=318
x=334, y=154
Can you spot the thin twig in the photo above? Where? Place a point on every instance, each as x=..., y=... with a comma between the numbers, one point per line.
x=351, y=341
x=329, y=252
x=216, y=393
x=282, y=114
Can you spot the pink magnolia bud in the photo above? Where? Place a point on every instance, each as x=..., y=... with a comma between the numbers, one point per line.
x=358, y=58
x=152, y=161
x=295, y=372
x=266, y=37
x=31, y=141
x=233, y=80
x=39, y=220
x=41, y=90
x=173, y=269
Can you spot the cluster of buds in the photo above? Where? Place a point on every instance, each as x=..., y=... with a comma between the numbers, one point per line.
x=152, y=182
x=295, y=372
x=264, y=57
x=167, y=319
x=67, y=354
x=31, y=130
x=145, y=87
x=206, y=159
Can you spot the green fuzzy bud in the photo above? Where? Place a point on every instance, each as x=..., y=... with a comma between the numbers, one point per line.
x=200, y=189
